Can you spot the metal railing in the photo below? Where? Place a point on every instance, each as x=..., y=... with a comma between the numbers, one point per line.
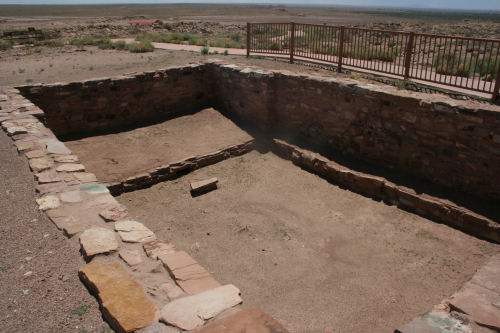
x=467, y=63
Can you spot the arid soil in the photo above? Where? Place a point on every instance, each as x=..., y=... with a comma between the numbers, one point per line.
x=115, y=157
x=316, y=257
x=39, y=283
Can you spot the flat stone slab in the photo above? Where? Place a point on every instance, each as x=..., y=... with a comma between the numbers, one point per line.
x=417, y=326
x=50, y=187
x=479, y=303
x=251, y=320
x=444, y=322
x=488, y=276
x=34, y=153
x=85, y=177
x=48, y=176
x=158, y=247
x=94, y=188
x=204, y=185
x=134, y=232
x=159, y=328
x=191, y=312
x=71, y=196
x=196, y=286
x=70, y=167
x=131, y=257
x=123, y=302
x=13, y=130
x=66, y=158
x=98, y=240
x=114, y=212
x=57, y=147
x=40, y=164
x=48, y=202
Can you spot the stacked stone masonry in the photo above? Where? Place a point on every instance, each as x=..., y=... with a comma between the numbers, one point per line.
x=450, y=143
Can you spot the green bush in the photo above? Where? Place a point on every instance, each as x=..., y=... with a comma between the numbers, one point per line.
x=5, y=45
x=144, y=46
x=204, y=51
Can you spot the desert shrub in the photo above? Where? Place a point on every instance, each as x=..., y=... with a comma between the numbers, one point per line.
x=167, y=26
x=5, y=44
x=144, y=46
x=120, y=45
x=225, y=53
x=452, y=64
x=204, y=51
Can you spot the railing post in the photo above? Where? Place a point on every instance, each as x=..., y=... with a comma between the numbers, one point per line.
x=292, y=41
x=496, y=90
x=248, y=39
x=409, y=53
x=341, y=48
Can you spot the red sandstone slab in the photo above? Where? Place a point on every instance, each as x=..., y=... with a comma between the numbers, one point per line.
x=251, y=320
x=123, y=302
x=204, y=185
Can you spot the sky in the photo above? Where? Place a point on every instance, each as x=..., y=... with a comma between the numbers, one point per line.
x=493, y=5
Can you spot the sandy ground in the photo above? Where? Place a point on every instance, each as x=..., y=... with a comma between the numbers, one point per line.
x=115, y=157
x=67, y=64
x=317, y=257
x=39, y=282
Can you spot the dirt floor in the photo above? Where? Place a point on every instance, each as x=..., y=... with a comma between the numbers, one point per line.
x=115, y=157
x=39, y=283
x=317, y=257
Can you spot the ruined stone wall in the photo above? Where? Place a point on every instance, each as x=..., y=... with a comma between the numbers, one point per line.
x=83, y=108
x=452, y=143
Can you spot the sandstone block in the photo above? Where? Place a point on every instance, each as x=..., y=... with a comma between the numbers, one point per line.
x=71, y=196
x=66, y=158
x=98, y=240
x=94, y=188
x=131, y=257
x=70, y=167
x=34, y=153
x=50, y=187
x=190, y=312
x=134, y=232
x=417, y=326
x=251, y=320
x=13, y=130
x=40, y=164
x=48, y=176
x=48, y=202
x=158, y=247
x=57, y=147
x=196, y=286
x=114, y=212
x=123, y=302
x=204, y=185
x=172, y=290
x=85, y=177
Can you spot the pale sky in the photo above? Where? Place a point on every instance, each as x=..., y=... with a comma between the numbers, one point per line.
x=493, y=5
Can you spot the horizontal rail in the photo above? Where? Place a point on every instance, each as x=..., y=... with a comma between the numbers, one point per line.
x=462, y=62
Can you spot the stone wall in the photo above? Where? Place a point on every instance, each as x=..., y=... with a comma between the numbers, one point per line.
x=108, y=104
x=452, y=143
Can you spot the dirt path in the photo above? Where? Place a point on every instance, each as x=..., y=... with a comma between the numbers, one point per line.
x=115, y=157
x=314, y=256
x=39, y=283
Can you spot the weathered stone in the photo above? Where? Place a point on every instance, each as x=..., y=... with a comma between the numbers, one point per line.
x=25, y=145
x=50, y=187
x=159, y=328
x=71, y=196
x=114, y=212
x=85, y=177
x=172, y=290
x=57, y=147
x=72, y=229
x=251, y=320
x=177, y=260
x=158, y=247
x=70, y=167
x=204, y=185
x=488, y=276
x=131, y=257
x=16, y=130
x=34, y=153
x=48, y=202
x=98, y=240
x=417, y=326
x=66, y=158
x=190, y=312
x=196, y=286
x=478, y=302
x=134, y=232
x=94, y=188
x=123, y=302
x=48, y=176
x=444, y=322
x=40, y=164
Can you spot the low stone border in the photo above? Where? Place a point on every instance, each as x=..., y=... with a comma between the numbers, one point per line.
x=381, y=189
x=173, y=170
x=142, y=284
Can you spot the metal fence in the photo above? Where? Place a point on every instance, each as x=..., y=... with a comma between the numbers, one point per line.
x=467, y=63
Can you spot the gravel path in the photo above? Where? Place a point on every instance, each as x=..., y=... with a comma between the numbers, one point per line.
x=39, y=283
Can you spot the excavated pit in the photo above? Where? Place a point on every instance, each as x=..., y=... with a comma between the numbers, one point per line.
x=319, y=243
